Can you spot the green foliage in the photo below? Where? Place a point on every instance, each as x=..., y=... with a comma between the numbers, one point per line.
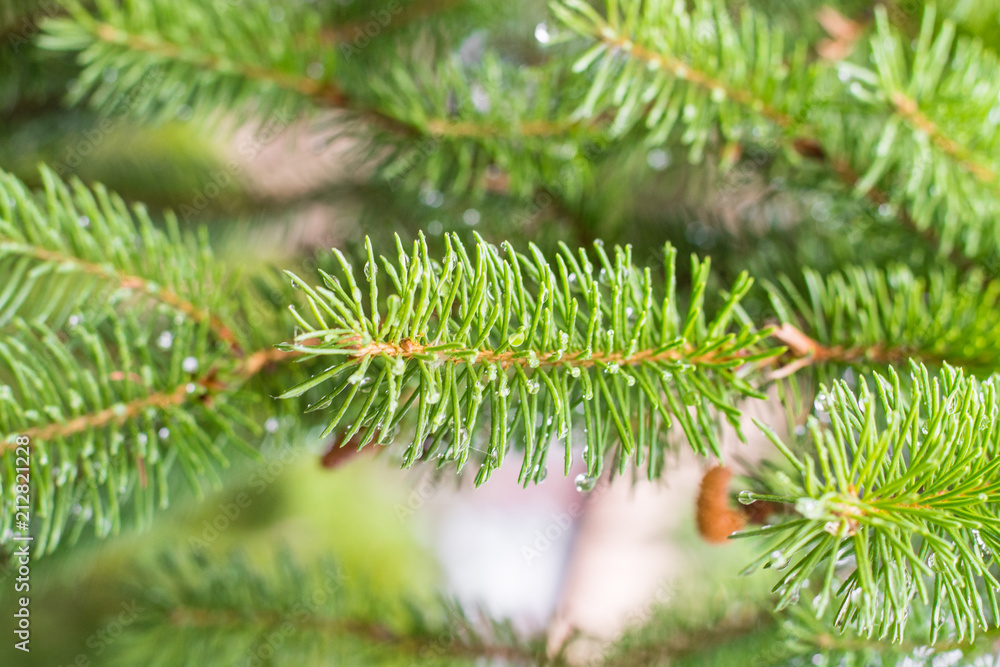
x=131, y=355
x=937, y=148
x=109, y=367
x=660, y=66
x=73, y=247
x=876, y=317
x=899, y=503
x=223, y=611
x=534, y=343
x=803, y=636
x=168, y=60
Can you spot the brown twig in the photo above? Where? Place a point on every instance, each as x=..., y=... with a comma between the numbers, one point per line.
x=407, y=348
x=915, y=118
x=183, y=393
x=128, y=281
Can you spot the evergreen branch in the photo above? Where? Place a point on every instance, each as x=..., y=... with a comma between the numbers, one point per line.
x=803, y=634
x=71, y=230
x=869, y=316
x=965, y=158
x=198, y=58
x=107, y=322
x=122, y=281
x=927, y=78
x=225, y=607
x=941, y=132
x=532, y=343
x=198, y=62
x=813, y=150
x=204, y=56
x=109, y=408
x=638, y=79
x=904, y=487
x=198, y=389
x=728, y=78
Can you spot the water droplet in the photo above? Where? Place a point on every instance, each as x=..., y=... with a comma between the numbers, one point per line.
x=163, y=433
x=533, y=387
x=271, y=425
x=74, y=320
x=746, y=498
x=142, y=438
x=314, y=70
x=533, y=361
x=585, y=483
x=574, y=371
x=190, y=387
x=190, y=364
x=165, y=340
x=612, y=368
x=822, y=403
x=810, y=508
x=432, y=198
x=471, y=217
x=518, y=337
x=658, y=159
x=542, y=33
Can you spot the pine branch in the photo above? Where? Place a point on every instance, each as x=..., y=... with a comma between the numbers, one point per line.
x=660, y=66
x=535, y=345
x=902, y=495
x=872, y=317
x=729, y=77
x=942, y=129
x=803, y=635
x=224, y=608
x=197, y=55
x=67, y=248
x=120, y=359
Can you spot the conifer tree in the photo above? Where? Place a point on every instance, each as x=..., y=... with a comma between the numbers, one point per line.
x=822, y=183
